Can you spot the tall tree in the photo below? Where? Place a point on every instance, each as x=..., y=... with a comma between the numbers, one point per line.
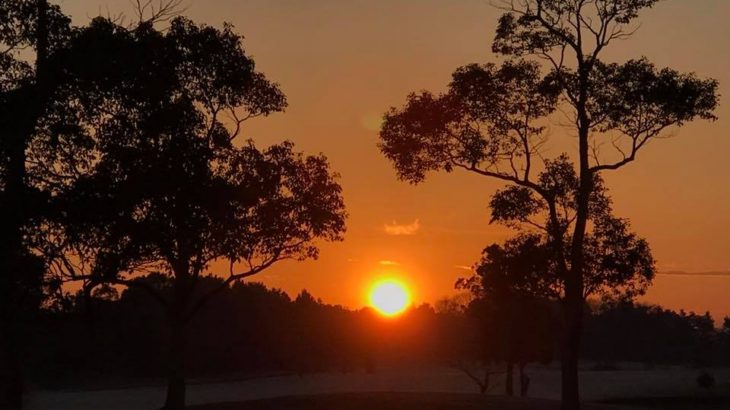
x=25, y=88
x=491, y=121
x=149, y=175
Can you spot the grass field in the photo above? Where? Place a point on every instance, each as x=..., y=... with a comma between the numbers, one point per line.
x=672, y=388
x=709, y=402
x=396, y=401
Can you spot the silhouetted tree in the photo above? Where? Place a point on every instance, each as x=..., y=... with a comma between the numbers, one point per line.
x=518, y=279
x=489, y=122
x=463, y=334
x=161, y=184
x=30, y=30
x=513, y=311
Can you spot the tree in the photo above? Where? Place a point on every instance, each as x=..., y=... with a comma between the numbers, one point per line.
x=492, y=121
x=24, y=92
x=515, y=322
x=31, y=32
x=517, y=282
x=148, y=176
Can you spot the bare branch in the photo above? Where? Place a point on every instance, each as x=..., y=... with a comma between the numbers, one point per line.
x=637, y=144
x=481, y=381
x=157, y=11
x=238, y=121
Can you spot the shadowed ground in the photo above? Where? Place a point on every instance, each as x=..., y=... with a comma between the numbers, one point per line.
x=395, y=401
x=596, y=386
x=709, y=402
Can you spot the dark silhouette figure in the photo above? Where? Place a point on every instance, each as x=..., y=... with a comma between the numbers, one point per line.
x=489, y=123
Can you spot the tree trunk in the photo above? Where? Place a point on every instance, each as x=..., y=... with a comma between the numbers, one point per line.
x=573, y=303
x=484, y=385
x=11, y=380
x=177, y=311
x=570, y=388
x=11, y=245
x=175, y=399
x=524, y=381
x=12, y=219
x=17, y=122
x=508, y=382
x=13, y=215
x=570, y=354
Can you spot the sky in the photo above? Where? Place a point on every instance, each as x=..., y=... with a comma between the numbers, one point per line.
x=343, y=63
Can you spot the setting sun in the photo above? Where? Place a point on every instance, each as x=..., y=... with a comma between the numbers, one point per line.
x=389, y=297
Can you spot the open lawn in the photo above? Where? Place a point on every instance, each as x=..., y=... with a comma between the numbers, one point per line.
x=703, y=402
x=622, y=388
x=395, y=401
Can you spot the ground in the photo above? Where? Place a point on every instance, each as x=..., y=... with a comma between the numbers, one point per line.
x=623, y=388
x=395, y=401
x=694, y=402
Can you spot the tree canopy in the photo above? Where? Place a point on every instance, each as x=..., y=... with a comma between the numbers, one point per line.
x=139, y=162
x=144, y=167
x=492, y=121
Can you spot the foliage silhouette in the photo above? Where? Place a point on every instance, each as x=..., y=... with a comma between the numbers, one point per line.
x=247, y=329
x=250, y=330
x=130, y=148
x=27, y=27
x=157, y=182
x=492, y=122
x=622, y=331
x=515, y=317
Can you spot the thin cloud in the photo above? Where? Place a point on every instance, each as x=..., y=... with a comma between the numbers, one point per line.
x=389, y=263
x=680, y=273
x=463, y=267
x=402, y=229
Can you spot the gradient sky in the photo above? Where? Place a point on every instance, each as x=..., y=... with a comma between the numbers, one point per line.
x=343, y=63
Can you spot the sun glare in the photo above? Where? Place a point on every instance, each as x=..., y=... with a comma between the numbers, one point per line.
x=389, y=297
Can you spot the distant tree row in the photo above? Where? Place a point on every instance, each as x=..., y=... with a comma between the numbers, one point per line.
x=252, y=330
x=651, y=335
x=247, y=329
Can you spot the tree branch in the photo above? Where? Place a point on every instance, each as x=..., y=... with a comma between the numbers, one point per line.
x=232, y=277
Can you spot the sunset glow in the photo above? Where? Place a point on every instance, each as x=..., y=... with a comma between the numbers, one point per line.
x=365, y=204
x=389, y=297
x=346, y=40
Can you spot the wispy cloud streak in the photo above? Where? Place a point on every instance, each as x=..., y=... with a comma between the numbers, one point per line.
x=402, y=229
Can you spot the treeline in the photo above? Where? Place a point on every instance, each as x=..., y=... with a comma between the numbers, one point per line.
x=653, y=335
x=253, y=330
x=246, y=329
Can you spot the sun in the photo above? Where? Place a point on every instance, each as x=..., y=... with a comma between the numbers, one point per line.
x=389, y=297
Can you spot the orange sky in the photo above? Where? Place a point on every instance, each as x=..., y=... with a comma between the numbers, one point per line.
x=342, y=63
